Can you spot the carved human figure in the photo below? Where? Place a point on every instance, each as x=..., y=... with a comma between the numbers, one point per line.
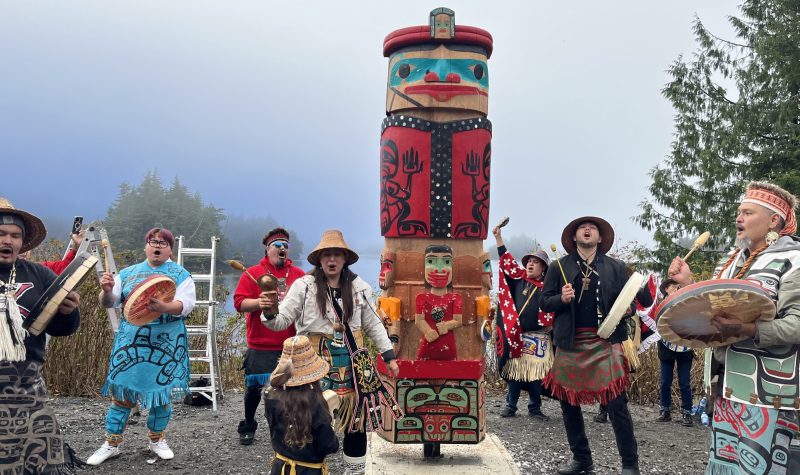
x=438, y=311
x=386, y=277
x=486, y=271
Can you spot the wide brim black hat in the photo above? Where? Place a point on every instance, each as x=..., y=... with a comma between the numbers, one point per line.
x=605, y=229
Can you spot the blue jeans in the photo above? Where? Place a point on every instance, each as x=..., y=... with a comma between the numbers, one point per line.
x=684, y=370
x=534, y=389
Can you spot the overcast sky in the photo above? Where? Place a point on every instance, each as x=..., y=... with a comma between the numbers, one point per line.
x=275, y=108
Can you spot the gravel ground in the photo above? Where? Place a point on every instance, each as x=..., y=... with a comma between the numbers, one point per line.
x=205, y=442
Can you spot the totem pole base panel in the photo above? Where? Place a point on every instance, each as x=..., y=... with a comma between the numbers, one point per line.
x=443, y=402
x=490, y=456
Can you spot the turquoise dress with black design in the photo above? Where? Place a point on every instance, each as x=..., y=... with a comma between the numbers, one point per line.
x=149, y=364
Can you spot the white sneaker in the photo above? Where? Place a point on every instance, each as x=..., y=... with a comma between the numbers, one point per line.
x=162, y=449
x=104, y=453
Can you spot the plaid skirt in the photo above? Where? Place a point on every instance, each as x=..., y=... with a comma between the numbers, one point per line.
x=593, y=371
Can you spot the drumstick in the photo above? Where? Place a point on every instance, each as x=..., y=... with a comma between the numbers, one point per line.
x=105, y=255
x=698, y=243
x=239, y=266
x=558, y=260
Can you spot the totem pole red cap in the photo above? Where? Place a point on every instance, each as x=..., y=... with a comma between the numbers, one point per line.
x=414, y=35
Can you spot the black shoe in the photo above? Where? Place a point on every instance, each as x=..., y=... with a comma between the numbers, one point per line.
x=601, y=417
x=576, y=467
x=664, y=416
x=630, y=471
x=508, y=412
x=539, y=415
x=247, y=432
x=686, y=419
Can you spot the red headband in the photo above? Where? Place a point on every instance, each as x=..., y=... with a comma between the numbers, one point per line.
x=776, y=204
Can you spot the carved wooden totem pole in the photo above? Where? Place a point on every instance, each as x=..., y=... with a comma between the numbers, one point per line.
x=435, y=159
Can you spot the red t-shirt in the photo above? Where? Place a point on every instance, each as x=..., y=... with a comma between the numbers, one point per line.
x=437, y=309
x=260, y=337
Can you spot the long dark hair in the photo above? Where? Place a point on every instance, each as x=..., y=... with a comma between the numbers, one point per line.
x=345, y=284
x=298, y=405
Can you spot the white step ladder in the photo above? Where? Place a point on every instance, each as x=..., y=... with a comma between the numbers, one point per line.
x=208, y=354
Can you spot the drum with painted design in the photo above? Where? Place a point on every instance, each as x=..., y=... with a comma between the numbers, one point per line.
x=684, y=318
x=136, y=309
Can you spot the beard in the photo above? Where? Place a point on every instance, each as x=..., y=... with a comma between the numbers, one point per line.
x=744, y=243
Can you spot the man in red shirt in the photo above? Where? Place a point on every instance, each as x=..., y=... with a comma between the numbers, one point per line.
x=264, y=346
x=59, y=266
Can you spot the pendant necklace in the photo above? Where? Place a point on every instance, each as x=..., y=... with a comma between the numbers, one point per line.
x=587, y=279
x=338, y=327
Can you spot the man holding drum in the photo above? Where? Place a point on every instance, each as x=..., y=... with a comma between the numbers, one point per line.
x=756, y=416
x=150, y=359
x=587, y=368
x=264, y=346
x=31, y=438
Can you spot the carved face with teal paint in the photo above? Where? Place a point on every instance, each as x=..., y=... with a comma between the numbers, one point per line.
x=452, y=76
x=438, y=266
x=486, y=273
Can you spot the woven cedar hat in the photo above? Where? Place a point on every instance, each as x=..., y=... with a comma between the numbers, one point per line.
x=332, y=239
x=299, y=362
x=35, y=231
x=606, y=233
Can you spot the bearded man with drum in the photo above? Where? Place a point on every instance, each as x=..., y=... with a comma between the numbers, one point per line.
x=30, y=435
x=588, y=369
x=149, y=362
x=755, y=411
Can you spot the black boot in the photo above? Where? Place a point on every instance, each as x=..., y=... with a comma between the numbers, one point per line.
x=508, y=412
x=686, y=418
x=602, y=415
x=576, y=467
x=247, y=432
x=664, y=416
x=630, y=471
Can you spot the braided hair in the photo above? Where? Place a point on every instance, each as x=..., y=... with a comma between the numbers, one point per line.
x=746, y=265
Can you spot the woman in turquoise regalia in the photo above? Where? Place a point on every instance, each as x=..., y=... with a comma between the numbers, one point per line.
x=149, y=363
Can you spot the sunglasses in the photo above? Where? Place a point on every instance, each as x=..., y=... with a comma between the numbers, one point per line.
x=280, y=244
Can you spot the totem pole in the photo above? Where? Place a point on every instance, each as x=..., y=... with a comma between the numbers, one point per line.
x=435, y=159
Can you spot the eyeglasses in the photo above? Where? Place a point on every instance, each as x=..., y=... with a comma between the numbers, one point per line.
x=157, y=243
x=280, y=244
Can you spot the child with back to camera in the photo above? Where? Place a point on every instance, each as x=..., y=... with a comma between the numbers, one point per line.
x=300, y=425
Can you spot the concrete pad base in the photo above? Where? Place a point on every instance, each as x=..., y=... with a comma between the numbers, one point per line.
x=490, y=456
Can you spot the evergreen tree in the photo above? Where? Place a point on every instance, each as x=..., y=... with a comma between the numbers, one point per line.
x=737, y=119
x=140, y=208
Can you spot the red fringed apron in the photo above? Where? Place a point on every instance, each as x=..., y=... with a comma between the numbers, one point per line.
x=593, y=371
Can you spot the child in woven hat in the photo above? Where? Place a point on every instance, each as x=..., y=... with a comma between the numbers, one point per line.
x=300, y=425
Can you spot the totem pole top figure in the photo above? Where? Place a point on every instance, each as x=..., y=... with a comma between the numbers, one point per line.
x=442, y=65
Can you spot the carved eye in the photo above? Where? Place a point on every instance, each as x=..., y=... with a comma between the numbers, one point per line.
x=404, y=71
x=478, y=71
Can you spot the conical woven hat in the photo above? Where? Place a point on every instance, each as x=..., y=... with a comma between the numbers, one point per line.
x=35, y=231
x=306, y=365
x=332, y=239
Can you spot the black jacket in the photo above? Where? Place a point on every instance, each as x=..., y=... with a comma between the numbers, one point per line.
x=33, y=280
x=325, y=441
x=613, y=276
